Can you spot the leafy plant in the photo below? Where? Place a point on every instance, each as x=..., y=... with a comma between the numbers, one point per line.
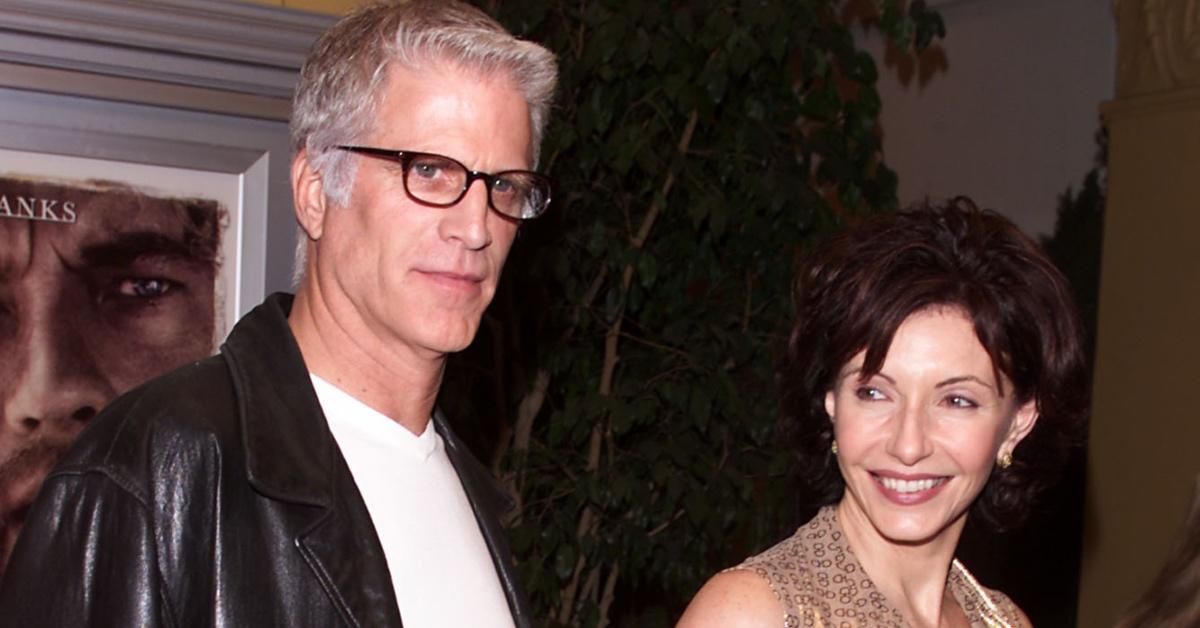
x=626, y=367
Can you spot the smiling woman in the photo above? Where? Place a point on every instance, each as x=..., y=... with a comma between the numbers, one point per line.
x=101, y=287
x=918, y=439
x=935, y=370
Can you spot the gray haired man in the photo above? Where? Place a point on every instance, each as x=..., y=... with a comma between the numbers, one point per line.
x=303, y=477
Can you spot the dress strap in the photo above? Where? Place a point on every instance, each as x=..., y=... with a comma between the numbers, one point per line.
x=990, y=614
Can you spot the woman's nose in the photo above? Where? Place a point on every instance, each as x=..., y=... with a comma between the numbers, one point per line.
x=909, y=441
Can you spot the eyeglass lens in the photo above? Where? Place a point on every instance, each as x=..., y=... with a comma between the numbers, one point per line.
x=441, y=180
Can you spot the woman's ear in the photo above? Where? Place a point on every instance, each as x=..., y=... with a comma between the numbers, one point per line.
x=1023, y=421
x=830, y=404
x=308, y=196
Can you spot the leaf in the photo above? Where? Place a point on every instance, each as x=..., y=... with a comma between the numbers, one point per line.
x=622, y=421
x=718, y=218
x=864, y=68
x=647, y=270
x=564, y=561
x=696, y=507
x=700, y=408
x=755, y=110
x=744, y=53
x=715, y=79
x=558, y=430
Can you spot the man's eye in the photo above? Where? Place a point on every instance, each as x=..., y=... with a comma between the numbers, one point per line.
x=502, y=186
x=431, y=168
x=426, y=170
x=145, y=287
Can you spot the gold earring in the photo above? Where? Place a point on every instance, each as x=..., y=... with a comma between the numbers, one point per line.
x=833, y=448
x=1005, y=460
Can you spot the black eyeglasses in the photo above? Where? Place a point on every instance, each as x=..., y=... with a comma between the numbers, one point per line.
x=440, y=181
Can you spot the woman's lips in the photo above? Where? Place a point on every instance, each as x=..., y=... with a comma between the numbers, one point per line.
x=909, y=490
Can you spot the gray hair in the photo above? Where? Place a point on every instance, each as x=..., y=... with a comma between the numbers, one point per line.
x=339, y=88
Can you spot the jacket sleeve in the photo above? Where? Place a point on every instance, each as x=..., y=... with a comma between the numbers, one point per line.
x=86, y=556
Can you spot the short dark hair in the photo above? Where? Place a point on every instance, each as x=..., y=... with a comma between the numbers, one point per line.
x=857, y=289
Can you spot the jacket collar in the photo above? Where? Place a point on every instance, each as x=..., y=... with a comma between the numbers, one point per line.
x=289, y=449
x=291, y=458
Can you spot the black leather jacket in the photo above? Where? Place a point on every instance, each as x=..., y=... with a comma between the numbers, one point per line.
x=216, y=495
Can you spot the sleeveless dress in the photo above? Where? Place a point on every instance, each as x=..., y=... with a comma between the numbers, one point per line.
x=821, y=584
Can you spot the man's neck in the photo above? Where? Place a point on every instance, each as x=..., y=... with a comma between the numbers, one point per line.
x=391, y=378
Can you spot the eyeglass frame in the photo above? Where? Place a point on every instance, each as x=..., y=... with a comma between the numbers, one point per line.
x=405, y=157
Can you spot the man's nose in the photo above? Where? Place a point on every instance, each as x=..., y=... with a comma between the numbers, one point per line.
x=468, y=221
x=909, y=441
x=58, y=387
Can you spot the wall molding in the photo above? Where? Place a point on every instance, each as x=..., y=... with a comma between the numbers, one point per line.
x=1158, y=45
x=1184, y=99
x=205, y=55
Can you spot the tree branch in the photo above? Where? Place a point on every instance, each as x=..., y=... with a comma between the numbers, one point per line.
x=610, y=588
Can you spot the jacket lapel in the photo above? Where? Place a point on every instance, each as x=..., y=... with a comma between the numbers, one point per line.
x=343, y=550
x=291, y=457
x=488, y=501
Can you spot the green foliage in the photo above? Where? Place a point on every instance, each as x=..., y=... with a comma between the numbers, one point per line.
x=697, y=149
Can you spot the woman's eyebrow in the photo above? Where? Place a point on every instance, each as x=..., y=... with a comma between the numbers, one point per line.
x=859, y=372
x=965, y=378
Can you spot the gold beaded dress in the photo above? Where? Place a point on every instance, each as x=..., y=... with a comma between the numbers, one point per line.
x=821, y=584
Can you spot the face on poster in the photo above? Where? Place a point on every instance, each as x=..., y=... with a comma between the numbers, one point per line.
x=110, y=273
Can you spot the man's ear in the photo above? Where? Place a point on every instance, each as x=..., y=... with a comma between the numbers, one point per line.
x=308, y=196
x=1023, y=421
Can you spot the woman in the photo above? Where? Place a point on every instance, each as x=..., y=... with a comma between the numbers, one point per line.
x=935, y=369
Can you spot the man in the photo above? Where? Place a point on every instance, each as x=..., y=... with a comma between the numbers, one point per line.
x=101, y=288
x=302, y=477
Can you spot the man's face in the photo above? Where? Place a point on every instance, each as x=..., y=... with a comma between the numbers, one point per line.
x=89, y=310
x=416, y=277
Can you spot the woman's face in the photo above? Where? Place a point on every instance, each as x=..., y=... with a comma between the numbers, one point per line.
x=917, y=441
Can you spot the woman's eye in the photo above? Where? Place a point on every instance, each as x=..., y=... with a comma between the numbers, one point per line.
x=869, y=393
x=959, y=401
x=145, y=287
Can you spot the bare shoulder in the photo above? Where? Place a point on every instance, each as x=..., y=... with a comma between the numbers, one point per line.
x=1022, y=616
x=738, y=598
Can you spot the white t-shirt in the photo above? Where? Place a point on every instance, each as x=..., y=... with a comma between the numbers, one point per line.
x=441, y=567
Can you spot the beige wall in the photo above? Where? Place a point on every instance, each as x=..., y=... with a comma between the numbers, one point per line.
x=1007, y=111
x=1145, y=441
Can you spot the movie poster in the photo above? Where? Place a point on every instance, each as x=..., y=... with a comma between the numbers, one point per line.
x=110, y=274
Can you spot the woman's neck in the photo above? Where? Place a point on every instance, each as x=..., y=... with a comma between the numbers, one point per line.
x=912, y=576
